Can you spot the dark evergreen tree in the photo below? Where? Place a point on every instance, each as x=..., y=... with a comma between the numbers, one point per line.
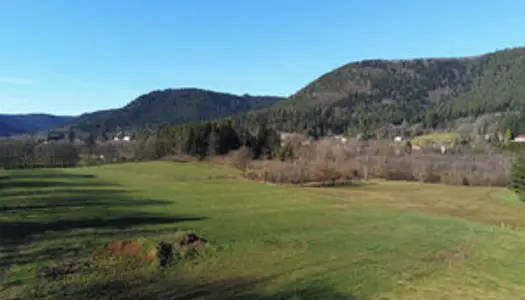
x=517, y=177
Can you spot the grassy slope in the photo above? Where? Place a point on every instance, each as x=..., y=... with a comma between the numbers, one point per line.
x=439, y=138
x=383, y=239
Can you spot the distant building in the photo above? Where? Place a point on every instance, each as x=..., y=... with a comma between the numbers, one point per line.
x=305, y=143
x=126, y=138
x=520, y=138
x=398, y=139
x=341, y=138
x=443, y=149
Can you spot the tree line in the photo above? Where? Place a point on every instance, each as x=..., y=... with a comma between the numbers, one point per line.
x=30, y=154
x=207, y=139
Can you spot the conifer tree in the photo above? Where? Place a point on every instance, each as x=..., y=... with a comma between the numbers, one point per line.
x=517, y=177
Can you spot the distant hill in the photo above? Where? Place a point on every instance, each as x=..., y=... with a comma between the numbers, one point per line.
x=362, y=97
x=173, y=106
x=8, y=130
x=421, y=81
x=498, y=85
x=30, y=123
x=367, y=95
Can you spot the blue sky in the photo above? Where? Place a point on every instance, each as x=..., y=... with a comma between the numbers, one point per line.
x=69, y=57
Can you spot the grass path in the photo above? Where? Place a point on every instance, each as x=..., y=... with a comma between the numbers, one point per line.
x=380, y=240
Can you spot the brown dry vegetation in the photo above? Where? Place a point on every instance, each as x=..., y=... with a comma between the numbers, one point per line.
x=328, y=162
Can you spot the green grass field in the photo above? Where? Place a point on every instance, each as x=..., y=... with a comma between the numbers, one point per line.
x=375, y=240
x=439, y=138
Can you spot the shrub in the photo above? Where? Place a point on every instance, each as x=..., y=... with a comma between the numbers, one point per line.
x=517, y=177
x=240, y=159
x=327, y=163
x=26, y=155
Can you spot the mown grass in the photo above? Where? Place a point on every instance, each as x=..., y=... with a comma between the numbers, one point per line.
x=439, y=138
x=378, y=240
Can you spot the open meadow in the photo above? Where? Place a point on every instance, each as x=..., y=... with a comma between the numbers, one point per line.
x=370, y=240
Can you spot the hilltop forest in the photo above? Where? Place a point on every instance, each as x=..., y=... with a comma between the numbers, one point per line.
x=171, y=107
x=149, y=111
x=364, y=97
x=21, y=124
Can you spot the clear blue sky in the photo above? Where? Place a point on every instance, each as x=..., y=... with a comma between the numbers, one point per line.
x=73, y=56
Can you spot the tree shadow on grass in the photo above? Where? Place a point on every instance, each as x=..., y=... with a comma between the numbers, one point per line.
x=13, y=232
x=72, y=250
x=44, y=174
x=78, y=216
x=76, y=204
x=195, y=288
x=64, y=198
x=31, y=181
x=33, y=193
x=39, y=184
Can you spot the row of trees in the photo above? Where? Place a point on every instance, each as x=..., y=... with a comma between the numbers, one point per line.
x=207, y=139
x=29, y=154
x=198, y=140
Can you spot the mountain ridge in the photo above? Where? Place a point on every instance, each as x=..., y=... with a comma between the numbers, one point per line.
x=14, y=124
x=355, y=97
x=366, y=95
x=173, y=106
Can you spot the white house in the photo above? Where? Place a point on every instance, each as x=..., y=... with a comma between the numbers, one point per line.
x=443, y=149
x=520, y=138
x=126, y=138
x=341, y=138
x=398, y=139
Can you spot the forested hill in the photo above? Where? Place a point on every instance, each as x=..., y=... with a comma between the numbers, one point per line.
x=173, y=106
x=366, y=95
x=30, y=123
x=360, y=97
x=499, y=85
x=8, y=130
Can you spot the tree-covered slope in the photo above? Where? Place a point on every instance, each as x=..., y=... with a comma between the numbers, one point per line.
x=173, y=106
x=366, y=95
x=421, y=81
x=8, y=130
x=499, y=86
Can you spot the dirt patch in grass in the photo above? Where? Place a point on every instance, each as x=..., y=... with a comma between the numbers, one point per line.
x=192, y=241
x=123, y=249
x=118, y=248
x=187, y=246
x=166, y=251
x=151, y=255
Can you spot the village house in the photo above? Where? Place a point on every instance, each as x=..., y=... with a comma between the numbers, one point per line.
x=341, y=138
x=520, y=138
x=398, y=139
